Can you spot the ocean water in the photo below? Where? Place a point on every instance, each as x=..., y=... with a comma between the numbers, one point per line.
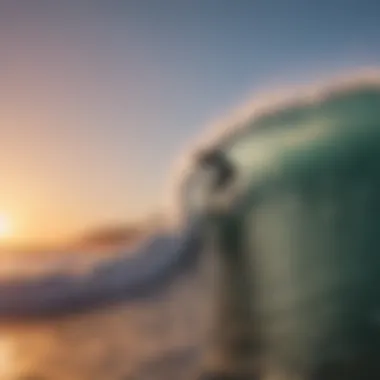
x=156, y=338
x=309, y=179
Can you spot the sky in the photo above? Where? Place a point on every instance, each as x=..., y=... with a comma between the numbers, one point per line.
x=99, y=98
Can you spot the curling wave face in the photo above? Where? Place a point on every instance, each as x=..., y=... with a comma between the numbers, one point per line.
x=307, y=200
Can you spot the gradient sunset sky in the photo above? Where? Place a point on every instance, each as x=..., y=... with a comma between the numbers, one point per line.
x=99, y=97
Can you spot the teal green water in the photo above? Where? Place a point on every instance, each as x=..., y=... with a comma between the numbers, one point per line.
x=309, y=206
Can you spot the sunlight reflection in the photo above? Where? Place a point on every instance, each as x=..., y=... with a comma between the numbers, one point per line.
x=7, y=356
x=6, y=228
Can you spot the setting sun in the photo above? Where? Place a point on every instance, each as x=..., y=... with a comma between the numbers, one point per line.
x=5, y=227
